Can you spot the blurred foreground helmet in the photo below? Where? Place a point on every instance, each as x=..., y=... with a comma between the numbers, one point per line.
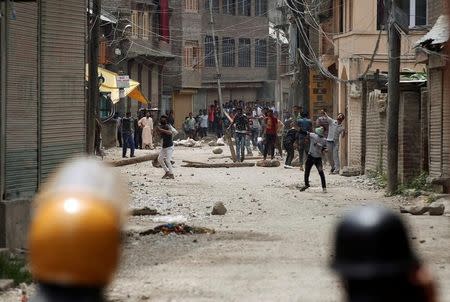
x=75, y=233
x=372, y=242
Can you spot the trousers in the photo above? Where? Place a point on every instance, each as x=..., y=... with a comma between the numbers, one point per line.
x=165, y=159
x=314, y=161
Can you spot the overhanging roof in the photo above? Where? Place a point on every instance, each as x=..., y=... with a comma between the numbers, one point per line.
x=439, y=34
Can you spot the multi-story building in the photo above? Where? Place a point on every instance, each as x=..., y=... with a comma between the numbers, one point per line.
x=242, y=39
x=352, y=31
x=138, y=45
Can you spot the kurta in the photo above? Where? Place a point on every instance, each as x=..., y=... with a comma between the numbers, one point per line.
x=147, y=131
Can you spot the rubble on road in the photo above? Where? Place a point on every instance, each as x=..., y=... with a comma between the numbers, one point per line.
x=217, y=150
x=177, y=228
x=351, y=171
x=219, y=209
x=188, y=143
x=6, y=284
x=146, y=211
x=268, y=163
x=219, y=142
x=436, y=208
x=170, y=219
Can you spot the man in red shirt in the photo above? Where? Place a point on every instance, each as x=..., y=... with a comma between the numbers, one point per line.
x=270, y=134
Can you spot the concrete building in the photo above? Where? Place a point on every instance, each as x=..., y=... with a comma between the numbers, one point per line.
x=242, y=31
x=135, y=45
x=358, y=28
x=43, y=103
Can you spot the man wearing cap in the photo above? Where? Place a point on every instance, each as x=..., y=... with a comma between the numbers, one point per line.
x=374, y=259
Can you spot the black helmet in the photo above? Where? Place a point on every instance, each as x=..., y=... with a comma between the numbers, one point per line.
x=372, y=242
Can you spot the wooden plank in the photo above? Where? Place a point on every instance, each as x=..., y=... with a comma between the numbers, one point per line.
x=134, y=160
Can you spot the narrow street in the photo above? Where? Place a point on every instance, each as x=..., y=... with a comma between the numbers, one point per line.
x=273, y=244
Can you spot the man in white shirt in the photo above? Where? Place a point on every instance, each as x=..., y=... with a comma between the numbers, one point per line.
x=335, y=129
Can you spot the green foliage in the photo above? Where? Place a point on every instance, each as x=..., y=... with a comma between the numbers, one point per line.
x=379, y=178
x=416, y=186
x=14, y=268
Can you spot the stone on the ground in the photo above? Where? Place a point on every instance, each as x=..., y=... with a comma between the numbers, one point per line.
x=146, y=211
x=219, y=209
x=414, y=210
x=351, y=171
x=212, y=144
x=436, y=208
x=268, y=163
x=217, y=150
x=6, y=284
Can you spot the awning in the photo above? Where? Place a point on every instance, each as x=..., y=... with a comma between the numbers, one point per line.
x=110, y=86
x=439, y=34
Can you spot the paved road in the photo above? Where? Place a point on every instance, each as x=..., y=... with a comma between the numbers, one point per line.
x=274, y=244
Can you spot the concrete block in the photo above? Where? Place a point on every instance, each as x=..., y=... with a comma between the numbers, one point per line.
x=6, y=284
x=15, y=216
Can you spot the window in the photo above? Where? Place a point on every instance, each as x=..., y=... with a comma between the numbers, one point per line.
x=102, y=53
x=380, y=15
x=417, y=11
x=228, y=52
x=261, y=7
x=145, y=26
x=191, y=55
x=210, y=61
x=260, y=53
x=229, y=7
x=140, y=24
x=134, y=24
x=245, y=7
x=244, y=52
x=215, y=6
x=191, y=6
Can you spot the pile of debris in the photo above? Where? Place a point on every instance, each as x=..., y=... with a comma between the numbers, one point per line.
x=189, y=143
x=219, y=142
x=177, y=228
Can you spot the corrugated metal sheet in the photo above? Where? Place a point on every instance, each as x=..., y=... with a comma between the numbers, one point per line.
x=435, y=122
x=446, y=123
x=21, y=168
x=63, y=26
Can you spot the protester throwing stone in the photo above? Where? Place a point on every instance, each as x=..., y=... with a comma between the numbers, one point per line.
x=166, y=153
x=373, y=257
x=316, y=148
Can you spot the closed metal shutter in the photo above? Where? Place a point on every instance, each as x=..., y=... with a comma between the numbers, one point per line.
x=435, y=122
x=446, y=123
x=21, y=168
x=63, y=26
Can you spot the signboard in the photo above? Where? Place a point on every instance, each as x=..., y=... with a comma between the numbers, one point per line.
x=321, y=94
x=123, y=81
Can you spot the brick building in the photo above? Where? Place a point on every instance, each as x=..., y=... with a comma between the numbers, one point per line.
x=242, y=31
x=431, y=50
x=347, y=54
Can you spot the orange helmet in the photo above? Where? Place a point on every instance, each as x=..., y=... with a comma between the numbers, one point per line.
x=76, y=228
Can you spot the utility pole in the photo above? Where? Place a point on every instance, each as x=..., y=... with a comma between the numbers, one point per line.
x=393, y=101
x=219, y=85
x=216, y=58
x=278, y=90
x=301, y=88
x=93, y=77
